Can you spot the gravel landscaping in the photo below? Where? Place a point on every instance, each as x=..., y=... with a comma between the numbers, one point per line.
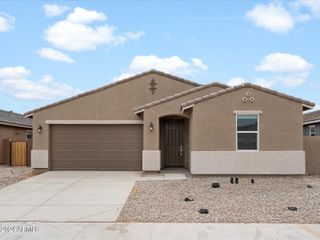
x=11, y=175
x=265, y=201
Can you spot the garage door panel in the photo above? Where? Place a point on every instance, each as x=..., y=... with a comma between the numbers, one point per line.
x=96, y=147
x=85, y=165
x=62, y=146
x=116, y=165
x=59, y=165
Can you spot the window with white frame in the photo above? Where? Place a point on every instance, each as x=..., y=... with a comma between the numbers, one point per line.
x=247, y=132
x=312, y=130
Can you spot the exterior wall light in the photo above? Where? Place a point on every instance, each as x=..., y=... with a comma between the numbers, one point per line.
x=39, y=129
x=151, y=127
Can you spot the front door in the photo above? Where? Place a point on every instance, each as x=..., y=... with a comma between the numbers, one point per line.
x=173, y=145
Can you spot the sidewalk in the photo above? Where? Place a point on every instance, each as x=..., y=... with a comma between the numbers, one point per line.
x=151, y=231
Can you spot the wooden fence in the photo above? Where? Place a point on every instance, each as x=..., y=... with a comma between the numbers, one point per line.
x=17, y=153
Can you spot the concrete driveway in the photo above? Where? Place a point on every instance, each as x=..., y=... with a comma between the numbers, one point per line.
x=80, y=196
x=159, y=231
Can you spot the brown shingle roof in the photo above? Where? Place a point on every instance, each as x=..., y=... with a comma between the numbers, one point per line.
x=152, y=71
x=177, y=95
x=308, y=105
x=311, y=116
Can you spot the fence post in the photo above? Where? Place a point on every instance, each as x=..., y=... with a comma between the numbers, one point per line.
x=7, y=151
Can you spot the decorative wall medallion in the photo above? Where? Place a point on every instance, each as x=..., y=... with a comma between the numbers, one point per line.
x=248, y=97
x=153, y=85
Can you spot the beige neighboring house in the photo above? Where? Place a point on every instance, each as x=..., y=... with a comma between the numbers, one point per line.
x=311, y=141
x=311, y=124
x=155, y=120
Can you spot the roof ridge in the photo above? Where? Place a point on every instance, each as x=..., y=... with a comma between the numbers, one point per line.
x=177, y=95
x=154, y=71
x=11, y=112
x=247, y=84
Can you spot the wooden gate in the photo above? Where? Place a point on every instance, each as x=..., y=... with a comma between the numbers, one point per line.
x=18, y=153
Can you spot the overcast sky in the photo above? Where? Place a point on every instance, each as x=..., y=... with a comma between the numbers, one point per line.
x=53, y=50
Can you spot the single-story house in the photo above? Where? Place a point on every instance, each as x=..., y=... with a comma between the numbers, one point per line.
x=13, y=126
x=311, y=123
x=311, y=141
x=156, y=120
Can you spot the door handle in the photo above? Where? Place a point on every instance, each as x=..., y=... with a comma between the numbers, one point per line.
x=181, y=151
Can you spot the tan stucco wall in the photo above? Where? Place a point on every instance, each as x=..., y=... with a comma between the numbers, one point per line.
x=213, y=124
x=114, y=103
x=151, y=140
x=258, y=162
x=311, y=146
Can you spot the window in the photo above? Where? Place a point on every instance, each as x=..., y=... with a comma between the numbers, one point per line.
x=247, y=132
x=312, y=130
x=29, y=135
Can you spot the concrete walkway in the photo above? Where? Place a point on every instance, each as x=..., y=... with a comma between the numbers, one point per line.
x=145, y=231
x=80, y=196
x=167, y=174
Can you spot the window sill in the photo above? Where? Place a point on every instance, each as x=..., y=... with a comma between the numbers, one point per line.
x=247, y=150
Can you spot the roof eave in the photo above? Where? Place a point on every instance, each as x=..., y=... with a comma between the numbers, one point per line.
x=183, y=108
x=28, y=115
x=139, y=111
x=15, y=125
x=307, y=107
x=311, y=122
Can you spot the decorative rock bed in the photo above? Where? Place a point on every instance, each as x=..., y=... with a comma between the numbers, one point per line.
x=11, y=175
x=265, y=201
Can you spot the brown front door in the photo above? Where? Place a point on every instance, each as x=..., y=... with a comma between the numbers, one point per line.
x=173, y=145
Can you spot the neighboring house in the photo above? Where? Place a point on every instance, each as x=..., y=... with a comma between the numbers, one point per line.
x=155, y=120
x=13, y=126
x=311, y=123
x=311, y=141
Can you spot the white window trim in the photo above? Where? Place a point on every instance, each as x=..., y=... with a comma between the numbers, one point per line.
x=314, y=130
x=257, y=113
x=247, y=112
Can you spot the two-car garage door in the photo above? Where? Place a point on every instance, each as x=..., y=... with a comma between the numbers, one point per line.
x=96, y=147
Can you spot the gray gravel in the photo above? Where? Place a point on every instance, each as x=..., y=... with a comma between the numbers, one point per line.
x=265, y=201
x=11, y=175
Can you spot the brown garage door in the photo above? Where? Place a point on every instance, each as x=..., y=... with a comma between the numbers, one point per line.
x=96, y=147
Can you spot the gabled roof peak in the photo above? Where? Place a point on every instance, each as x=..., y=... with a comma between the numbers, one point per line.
x=177, y=95
x=305, y=103
x=152, y=71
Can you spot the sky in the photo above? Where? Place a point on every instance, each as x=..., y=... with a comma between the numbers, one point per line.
x=51, y=50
